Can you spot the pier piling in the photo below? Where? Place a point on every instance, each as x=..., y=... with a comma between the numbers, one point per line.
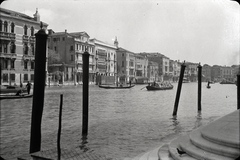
x=238, y=90
x=59, y=128
x=38, y=90
x=85, y=93
x=199, y=87
x=179, y=89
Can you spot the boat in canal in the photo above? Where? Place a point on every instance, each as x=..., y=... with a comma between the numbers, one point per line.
x=16, y=96
x=162, y=86
x=7, y=89
x=227, y=82
x=115, y=87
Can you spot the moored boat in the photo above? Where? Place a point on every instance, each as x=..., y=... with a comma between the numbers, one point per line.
x=7, y=89
x=115, y=87
x=156, y=86
x=15, y=96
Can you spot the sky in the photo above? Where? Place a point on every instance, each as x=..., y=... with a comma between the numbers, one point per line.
x=205, y=31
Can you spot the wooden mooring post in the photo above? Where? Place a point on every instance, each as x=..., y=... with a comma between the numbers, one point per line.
x=59, y=128
x=199, y=87
x=238, y=90
x=179, y=89
x=85, y=93
x=38, y=90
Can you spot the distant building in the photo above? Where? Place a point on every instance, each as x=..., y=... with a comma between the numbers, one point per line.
x=206, y=73
x=105, y=62
x=141, y=66
x=191, y=71
x=17, y=46
x=216, y=73
x=226, y=73
x=176, y=70
x=125, y=65
x=152, y=71
x=70, y=47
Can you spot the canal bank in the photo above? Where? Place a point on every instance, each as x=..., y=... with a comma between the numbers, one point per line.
x=218, y=140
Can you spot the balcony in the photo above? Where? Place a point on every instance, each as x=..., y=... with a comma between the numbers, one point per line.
x=7, y=36
x=25, y=38
x=32, y=39
x=28, y=57
x=8, y=55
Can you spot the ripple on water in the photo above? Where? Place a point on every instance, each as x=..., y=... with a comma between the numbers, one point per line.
x=122, y=123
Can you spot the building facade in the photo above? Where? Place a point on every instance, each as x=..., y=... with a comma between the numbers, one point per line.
x=105, y=62
x=152, y=72
x=141, y=67
x=17, y=46
x=206, y=73
x=70, y=48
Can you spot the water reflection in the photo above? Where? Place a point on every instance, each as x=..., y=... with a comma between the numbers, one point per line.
x=176, y=124
x=198, y=121
x=84, y=142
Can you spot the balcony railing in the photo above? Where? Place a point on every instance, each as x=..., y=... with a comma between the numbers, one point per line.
x=8, y=55
x=32, y=39
x=7, y=36
x=25, y=38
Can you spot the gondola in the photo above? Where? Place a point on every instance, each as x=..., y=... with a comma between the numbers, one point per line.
x=154, y=88
x=116, y=87
x=15, y=96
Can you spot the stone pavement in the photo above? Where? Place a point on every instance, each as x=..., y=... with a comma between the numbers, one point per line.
x=219, y=140
x=66, y=154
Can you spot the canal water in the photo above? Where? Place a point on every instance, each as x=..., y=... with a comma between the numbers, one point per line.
x=122, y=123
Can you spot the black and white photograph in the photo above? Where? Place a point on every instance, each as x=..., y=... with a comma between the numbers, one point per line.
x=119, y=80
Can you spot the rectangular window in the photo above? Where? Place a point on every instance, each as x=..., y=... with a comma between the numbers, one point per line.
x=25, y=77
x=12, y=64
x=32, y=64
x=123, y=55
x=55, y=48
x=71, y=48
x=25, y=64
x=32, y=47
x=71, y=57
x=5, y=64
x=4, y=48
x=32, y=77
x=5, y=77
x=122, y=63
x=12, y=77
x=63, y=38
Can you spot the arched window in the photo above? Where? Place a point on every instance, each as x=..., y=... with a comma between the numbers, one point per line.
x=25, y=49
x=32, y=48
x=25, y=30
x=12, y=47
x=5, y=26
x=32, y=31
x=12, y=27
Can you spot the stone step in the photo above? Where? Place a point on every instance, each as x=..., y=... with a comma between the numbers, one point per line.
x=197, y=139
x=187, y=146
x=150, y=155
x=163, y=153
x=224, y=131
x=172, y=148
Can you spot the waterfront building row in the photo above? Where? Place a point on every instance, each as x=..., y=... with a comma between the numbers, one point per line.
x=108, y=63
